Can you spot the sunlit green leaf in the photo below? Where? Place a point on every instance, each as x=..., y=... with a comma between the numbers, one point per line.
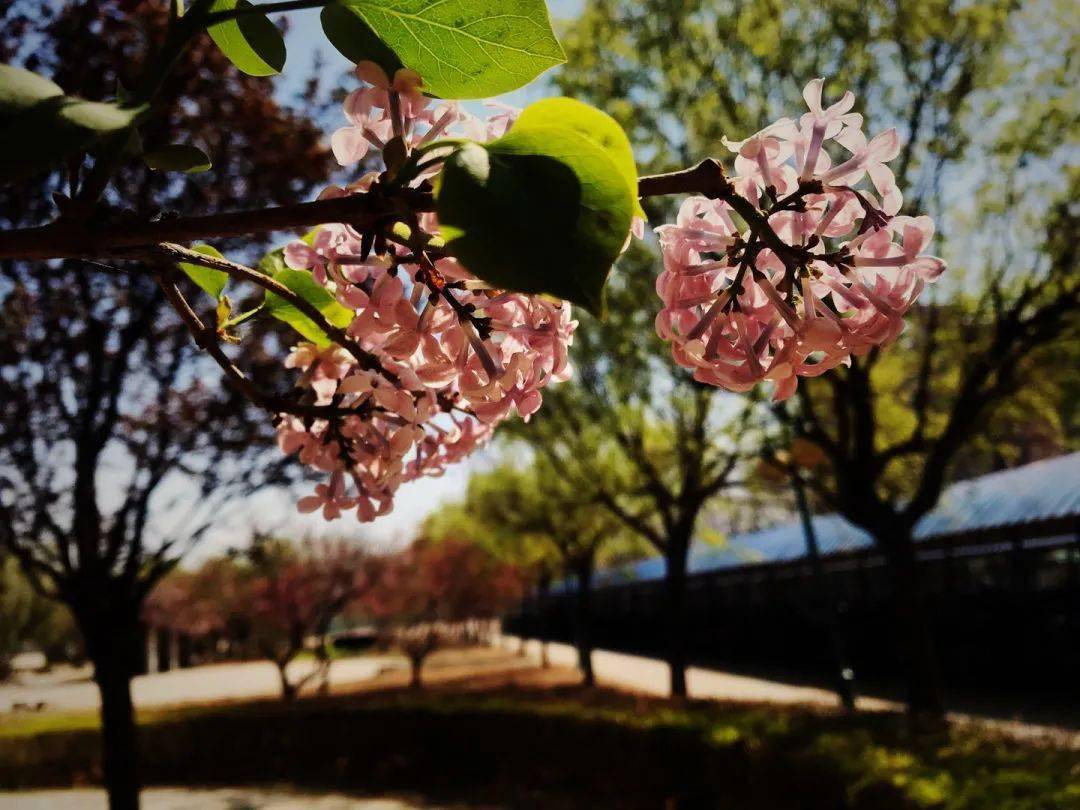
x=544, y=209
x=301, y=283
x=272, y=262
x=355, y=40
x=251, y=41
x=210, y=281
x=177, y=157
x=20, y=89
x=461, y=48
x=594, y=124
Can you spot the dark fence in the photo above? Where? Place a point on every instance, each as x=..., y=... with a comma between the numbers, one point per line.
x=1006, y=616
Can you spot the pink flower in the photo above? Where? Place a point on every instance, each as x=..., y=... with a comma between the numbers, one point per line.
x=737, y=313
x=463, y=356
x=328, y=497
x=330, y=242
x=368, y=126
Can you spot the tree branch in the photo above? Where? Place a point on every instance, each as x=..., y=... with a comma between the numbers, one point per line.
x=206, y=338
x=67, y=238
x=366, y=359
x=709, y=179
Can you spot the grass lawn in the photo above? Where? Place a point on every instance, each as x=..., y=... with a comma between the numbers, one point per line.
x=526, y=738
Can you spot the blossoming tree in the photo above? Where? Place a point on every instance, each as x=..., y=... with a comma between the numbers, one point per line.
x=425, y=596
x=549, y=522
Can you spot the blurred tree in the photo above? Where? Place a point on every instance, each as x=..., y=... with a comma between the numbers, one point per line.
x=205, y=605
x=29, y=621
x=681, y=74
x=981, y=96
x=652, y=448
x=425, y=595
x=117, y=442
x=551, y=522
x=892, y=434
x=294, y=592
x=785, y=465
x=538, y=561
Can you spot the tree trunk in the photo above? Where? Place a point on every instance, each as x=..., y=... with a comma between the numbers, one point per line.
x=416, y=664
x=675, y=613
x=110, y=631
x=6, y=669
x=323, y=662
x=583, y=571
x=544, y=603
x=118, y=735
x=925, y=702
x=829, y=609
x=288, y=690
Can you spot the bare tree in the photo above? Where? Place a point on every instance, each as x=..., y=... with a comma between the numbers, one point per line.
x=115, y=456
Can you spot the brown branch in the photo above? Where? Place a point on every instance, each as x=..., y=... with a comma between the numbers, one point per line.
x=366, y=359
x=206, y=338
x=709, y=179
x=65, y=239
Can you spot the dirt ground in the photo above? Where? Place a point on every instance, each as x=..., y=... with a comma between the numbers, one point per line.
x=225, y=799
x=479, y=668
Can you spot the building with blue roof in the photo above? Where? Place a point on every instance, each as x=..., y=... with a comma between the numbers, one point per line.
x=1001, y=563
x=1039, y=500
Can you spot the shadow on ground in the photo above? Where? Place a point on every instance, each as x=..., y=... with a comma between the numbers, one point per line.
x=525, y=738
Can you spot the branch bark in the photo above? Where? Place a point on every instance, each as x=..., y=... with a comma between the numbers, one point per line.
x=72, y=239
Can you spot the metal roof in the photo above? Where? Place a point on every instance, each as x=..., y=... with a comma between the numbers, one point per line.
x=1040, y=492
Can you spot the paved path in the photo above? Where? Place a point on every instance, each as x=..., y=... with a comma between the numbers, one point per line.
x=651, y=676
x=222, y=799
x=233, y=681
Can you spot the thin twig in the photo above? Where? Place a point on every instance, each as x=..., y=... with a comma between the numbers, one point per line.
x=206, y=339
x=366, y=359
x=709, y=179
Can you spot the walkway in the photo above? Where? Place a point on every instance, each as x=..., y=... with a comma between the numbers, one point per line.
x=651, y=676
x=74, y=691
x=221, y=799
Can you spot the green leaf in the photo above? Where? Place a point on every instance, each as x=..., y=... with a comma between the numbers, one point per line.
x=98, y=117
x=57, y=126
x=544, y=209
x=355, y=40
x=21, y=89
x=595, y=125
x=210, y=281
x=309, y=237
x=251, y=41
x=464, y=48
x=272, y=262
x=301, y=283
x=177, y=157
